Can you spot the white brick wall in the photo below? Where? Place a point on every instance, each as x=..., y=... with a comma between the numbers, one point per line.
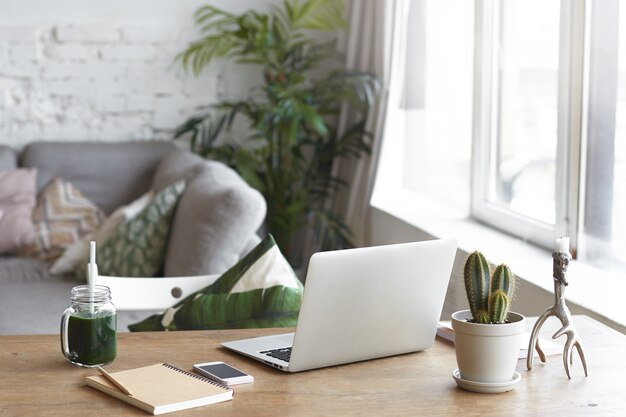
x=66, y=76
x=23, y=33
x=87, y=33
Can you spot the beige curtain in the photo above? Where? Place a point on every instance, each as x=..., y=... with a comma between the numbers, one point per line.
x=367, y=47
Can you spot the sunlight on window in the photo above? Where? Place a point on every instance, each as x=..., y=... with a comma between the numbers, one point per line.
x=605, y=216
x=618, y=235
x=438, y=101
x=526, y=144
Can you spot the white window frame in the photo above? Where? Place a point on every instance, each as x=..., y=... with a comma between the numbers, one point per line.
x=571, y=134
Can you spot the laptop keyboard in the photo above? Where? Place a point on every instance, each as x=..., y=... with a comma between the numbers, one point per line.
x=284, y=354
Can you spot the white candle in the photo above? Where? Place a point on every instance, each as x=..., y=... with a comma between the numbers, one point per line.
x=562, y=245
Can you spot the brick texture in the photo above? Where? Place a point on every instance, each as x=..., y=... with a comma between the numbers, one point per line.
x=87, y=33
x=99, y=82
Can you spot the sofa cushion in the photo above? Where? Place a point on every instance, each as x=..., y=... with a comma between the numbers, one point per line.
x=22, y=270
x=32, y=301
x=8, y=158
x=62, y=216
x=35, y=308
x=261, y=290
x=110, y=174
x=215, y=219
x=17, y=200
x=177, y=165
x=137, y=249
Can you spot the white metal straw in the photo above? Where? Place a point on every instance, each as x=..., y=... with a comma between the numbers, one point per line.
x=92, y=273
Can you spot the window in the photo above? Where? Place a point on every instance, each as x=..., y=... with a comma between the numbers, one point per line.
x=523, y=136
x=516, y=118
x=515, y=183
x=438, y=89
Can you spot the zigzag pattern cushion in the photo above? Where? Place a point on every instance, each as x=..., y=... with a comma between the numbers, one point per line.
x=61, y=216
x=261, y=290
x=137, y=248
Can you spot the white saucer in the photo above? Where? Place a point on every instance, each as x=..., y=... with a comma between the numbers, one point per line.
x=486, y=387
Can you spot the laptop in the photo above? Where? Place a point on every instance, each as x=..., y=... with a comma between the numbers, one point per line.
x=362, y=304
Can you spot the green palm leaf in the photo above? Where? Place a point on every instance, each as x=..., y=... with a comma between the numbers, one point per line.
x=315, y=14
x=240, y=309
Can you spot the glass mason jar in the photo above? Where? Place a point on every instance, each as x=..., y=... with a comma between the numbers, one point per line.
x=89, y=326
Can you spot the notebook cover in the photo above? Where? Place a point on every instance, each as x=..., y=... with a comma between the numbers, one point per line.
x=162, y=388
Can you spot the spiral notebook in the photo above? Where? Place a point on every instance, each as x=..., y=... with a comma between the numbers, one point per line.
x=162, y=388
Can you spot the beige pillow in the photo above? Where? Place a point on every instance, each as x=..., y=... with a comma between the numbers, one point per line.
x=62, y=216
x=79, y=252
x=17, y=199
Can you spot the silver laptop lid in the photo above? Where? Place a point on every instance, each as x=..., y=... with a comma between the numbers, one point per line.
x=371, y=302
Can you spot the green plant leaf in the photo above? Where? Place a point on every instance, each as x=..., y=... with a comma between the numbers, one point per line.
x=313, y=119
x=231, y=310
x=247, y=165
x=317, y=15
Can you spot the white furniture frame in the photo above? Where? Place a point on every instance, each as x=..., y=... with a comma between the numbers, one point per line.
x=152, y=293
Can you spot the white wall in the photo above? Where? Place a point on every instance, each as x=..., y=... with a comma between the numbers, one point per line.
x=103, y=70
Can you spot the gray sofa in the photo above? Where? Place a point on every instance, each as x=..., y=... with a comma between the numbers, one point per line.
x=215, y=223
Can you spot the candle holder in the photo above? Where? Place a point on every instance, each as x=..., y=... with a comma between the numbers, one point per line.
x=561, y=311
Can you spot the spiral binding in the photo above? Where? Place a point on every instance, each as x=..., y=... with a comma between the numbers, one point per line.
x=196, y=376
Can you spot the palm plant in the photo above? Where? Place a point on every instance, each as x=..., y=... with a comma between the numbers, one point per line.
x=293, y=116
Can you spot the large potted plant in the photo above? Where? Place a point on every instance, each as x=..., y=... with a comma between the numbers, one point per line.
x=487, y=337
x=293, y=116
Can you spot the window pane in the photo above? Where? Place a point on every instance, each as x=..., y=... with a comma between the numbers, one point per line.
x=526, y=141
x=604, y=238
x=438, y=100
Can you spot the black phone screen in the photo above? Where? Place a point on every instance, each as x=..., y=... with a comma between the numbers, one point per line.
x=222, y=371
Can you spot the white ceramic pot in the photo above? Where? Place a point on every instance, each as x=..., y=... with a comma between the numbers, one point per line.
x=487, y=352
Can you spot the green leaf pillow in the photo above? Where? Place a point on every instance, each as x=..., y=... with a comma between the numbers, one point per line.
x=261, y=290
x=137, y=248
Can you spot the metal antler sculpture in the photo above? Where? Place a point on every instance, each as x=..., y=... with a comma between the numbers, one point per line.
x=559, y=310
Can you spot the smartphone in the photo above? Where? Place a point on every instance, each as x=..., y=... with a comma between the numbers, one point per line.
x=223, y=373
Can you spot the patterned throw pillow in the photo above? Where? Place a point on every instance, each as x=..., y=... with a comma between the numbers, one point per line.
x=78, y=252
x=261, y=290
x=137, y=248
x=62, y=216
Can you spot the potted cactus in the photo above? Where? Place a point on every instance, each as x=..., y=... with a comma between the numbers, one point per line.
x=487, y=337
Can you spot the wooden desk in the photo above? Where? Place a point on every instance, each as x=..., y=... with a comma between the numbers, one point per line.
x=36, y=380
